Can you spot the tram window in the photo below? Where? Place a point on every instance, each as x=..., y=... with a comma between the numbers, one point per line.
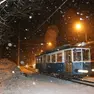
x=77, y=55
x=37, y=60
x=53, y=58
x=59, y=57
x=68, y=57
x=85, y=54
x=44, y=59
x=48, y=58
x=92, y=54
x=40, y=59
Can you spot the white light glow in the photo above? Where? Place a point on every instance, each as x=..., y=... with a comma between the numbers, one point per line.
x=9, y=44
x=92, y=69
x=13, y=72
x=83, y=71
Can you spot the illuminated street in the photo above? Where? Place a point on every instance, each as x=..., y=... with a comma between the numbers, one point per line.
x=27, y=70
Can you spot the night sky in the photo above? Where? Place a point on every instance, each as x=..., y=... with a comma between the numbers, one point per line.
x=28, y=21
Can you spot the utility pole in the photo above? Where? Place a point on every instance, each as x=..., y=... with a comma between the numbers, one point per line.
x=18, y=51
x=19, y=45
x=86, y=36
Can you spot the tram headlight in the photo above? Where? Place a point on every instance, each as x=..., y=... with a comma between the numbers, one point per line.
x=93, y=70
x=83, y=71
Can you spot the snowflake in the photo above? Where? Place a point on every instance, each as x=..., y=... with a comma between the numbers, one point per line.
x=25, y=38
x=55, y=6
x=87, y=17
x=7, y=48
x=87, y=2
x=51, y=81
x=81, y=14
x=34, y=83
x=78, y=13
x=62, y=15
x=15, y=21
x=61, y=11
x=13, y=72
x=81, y=19
x=30, y=17
x=39, y=14
x=14, y=45
x=9, y=44
x=73, y=0
x=26, y=29
x=22, y=62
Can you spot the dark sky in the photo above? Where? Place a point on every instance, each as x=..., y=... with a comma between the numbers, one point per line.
x=30, y=19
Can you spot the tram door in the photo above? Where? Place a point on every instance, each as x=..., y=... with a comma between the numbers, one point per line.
x=68, y=61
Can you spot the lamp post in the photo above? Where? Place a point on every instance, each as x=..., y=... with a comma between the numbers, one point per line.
x=79, y=26
x=18, y=51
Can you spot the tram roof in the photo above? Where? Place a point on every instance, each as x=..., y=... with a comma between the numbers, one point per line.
x=61, y=48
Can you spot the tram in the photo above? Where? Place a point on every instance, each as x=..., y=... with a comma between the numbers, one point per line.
x=65, y=60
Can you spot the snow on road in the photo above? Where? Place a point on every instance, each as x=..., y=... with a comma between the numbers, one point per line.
x=41, y=84
x=17, y=83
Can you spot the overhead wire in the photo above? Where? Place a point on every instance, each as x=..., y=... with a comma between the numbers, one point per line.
x=51, y=15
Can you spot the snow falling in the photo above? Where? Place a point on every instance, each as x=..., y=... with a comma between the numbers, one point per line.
x=25, y=33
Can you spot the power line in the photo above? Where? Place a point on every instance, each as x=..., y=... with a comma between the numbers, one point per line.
x=52, y=14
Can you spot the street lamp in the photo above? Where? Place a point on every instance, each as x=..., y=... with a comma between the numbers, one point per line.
x=49, y=44
x=79, y=26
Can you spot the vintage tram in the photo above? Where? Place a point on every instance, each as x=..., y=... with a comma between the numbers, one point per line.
x=65, y=60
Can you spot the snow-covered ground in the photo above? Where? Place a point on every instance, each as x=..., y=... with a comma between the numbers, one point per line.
x=17, y=83
x=41, y=84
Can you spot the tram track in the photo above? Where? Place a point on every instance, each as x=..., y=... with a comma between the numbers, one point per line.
x=84, y=82
x=75, y=80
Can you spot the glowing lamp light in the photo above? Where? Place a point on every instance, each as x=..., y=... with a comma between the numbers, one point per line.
x=49, y=44
x=78, y=26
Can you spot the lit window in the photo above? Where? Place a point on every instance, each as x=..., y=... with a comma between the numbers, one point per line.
x=53, y=58
x=59, y=57
x=48, y=58
x=85, y=54
x=77, y=54
x=68, y=57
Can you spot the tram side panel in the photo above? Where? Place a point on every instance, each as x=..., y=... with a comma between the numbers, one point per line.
x=81, y=68
x=92, y=57
x=56, y=62
x=50, y=65
x=81, y=61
